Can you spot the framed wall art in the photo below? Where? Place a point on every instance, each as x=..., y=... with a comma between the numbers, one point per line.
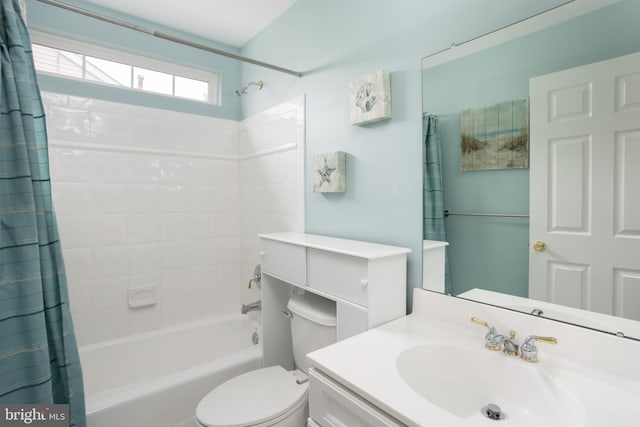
x=495, y=136
x=370, y=98
x=329, y=172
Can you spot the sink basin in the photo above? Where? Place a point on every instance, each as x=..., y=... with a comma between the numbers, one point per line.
x=463, y=381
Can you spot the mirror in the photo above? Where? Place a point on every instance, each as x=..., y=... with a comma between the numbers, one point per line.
x=489, y=255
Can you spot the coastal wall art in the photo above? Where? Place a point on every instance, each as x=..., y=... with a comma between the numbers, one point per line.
x=329, y=172
x=370, y=98
x=495, y=136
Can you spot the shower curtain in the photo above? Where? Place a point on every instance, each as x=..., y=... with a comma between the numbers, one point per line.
x=433, y=210
x=39, y=360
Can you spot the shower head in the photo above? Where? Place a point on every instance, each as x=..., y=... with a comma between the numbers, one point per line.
x=243, y=89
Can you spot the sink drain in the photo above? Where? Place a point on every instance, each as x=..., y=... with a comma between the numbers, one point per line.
x=493, y=412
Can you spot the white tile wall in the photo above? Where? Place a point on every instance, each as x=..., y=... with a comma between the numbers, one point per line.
x=271, y=180
x=153, y=197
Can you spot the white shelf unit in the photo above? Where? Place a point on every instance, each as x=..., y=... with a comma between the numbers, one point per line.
x=367, y=281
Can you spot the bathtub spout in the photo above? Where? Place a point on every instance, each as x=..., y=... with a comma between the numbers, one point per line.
x=254, y=306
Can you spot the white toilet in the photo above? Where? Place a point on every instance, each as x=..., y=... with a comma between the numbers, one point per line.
x=273, y=396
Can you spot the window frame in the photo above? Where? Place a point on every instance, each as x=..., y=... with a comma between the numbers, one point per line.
x=212, y=78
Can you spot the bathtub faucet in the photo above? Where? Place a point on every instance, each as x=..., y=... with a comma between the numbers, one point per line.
x=254, y=306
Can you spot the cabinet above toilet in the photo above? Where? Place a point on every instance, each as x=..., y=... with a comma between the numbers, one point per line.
x=367, y=281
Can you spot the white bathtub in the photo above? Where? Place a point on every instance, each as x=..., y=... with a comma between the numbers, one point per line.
x=156, y=379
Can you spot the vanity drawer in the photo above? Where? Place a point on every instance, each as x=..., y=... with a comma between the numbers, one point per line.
x=332, y=405
x=284, y=261
x=337, y=274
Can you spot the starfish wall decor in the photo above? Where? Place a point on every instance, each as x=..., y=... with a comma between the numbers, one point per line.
x=329, y=172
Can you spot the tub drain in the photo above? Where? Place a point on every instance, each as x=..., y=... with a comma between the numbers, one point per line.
x=254, y=338
x=493, y=412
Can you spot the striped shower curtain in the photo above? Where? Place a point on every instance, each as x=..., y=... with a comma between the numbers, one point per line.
x=38, y=354
x=433, y=209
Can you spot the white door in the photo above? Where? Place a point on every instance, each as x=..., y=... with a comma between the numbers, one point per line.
x=585, y=187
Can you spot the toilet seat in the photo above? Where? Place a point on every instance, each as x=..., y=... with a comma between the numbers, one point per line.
x=256, y=398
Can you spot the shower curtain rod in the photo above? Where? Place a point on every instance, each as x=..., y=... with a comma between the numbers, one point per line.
x=448, y=213
x=168, y=37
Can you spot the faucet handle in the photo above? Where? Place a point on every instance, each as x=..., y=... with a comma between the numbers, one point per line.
x=257, y=277
x=528, y=349
x=479, y=322
x=493, y=341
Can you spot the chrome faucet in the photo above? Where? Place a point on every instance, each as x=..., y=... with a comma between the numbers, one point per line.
x=510, y=345
x=527, y=351
x=254, y=306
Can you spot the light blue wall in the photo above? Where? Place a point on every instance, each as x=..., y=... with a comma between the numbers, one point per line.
x=336, y=41
x=493, y=253
x=49, y=19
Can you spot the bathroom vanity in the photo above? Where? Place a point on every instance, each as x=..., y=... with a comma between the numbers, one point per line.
x=367, y=282
x=432, y=369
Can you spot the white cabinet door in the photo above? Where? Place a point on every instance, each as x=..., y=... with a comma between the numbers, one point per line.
x=284, y=261
x=337, y=274
x=585, y=187
x=331, y=405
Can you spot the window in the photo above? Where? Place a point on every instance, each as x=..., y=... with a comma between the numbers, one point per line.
x=71, y=59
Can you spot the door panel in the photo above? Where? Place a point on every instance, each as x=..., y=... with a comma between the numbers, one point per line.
x=626, y=288
x=570, y=102
x=628, y=92
x=570, y=184
x=627, y=184
x=585, y=186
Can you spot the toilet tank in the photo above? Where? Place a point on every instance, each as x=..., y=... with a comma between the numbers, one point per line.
x=313, y=326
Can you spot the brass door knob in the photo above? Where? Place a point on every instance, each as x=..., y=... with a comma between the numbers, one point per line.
x=539, y=246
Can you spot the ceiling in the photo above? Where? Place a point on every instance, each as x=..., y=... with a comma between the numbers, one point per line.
x=232, y=22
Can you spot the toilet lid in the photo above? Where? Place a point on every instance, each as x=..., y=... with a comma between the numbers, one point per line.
x=251, y=398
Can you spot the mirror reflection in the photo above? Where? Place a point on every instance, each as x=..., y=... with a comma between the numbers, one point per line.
x=559, y=235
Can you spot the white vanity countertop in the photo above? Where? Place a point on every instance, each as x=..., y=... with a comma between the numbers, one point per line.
x=344, y=246
x=367, y=363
